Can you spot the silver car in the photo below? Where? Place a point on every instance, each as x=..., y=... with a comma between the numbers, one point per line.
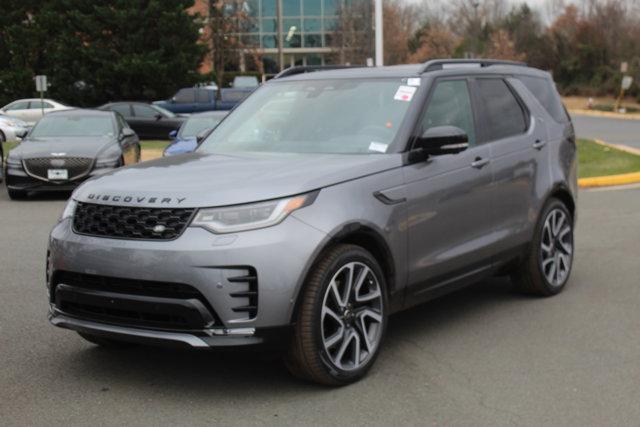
x=324, y=203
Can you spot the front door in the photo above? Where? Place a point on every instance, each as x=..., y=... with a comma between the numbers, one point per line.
x=448, y=198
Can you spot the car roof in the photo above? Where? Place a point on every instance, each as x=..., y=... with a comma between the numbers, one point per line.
x=82, y=112
x=456, y=67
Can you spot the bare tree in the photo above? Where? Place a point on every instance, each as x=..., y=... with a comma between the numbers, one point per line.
x=227, y=19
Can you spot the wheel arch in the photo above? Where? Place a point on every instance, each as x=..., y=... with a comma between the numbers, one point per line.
x=562, y=193
x=364, y=236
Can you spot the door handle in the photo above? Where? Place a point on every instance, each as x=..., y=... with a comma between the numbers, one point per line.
x=479, y=162
x=539, y=144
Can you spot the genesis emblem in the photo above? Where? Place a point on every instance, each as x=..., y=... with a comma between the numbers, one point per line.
x=159, y=228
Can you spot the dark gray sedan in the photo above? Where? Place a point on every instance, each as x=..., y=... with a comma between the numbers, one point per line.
x=67, y=147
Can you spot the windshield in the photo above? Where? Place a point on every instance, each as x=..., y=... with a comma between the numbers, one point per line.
x=318, y=116
x=195, y=125
x=55, y=125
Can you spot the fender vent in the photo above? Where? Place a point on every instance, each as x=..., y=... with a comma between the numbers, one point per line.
x=245, y=290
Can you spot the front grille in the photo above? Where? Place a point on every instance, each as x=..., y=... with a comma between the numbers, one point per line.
x=125, y=222
x=76, y=167
x=164, y=305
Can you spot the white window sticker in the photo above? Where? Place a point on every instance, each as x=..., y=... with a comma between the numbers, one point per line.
x=413, y=81
x=405, y=93
x=378, y=146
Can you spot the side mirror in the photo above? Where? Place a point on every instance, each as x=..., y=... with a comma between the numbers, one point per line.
x=173, y=134
x=22, y=133
x=202, y=136
x=440, y=140
x=126, y=133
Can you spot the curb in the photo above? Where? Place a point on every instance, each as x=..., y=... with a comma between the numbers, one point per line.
x=607, y=114
x=612, y=180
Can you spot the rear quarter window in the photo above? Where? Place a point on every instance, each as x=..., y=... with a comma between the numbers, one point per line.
x=545, y=92
x=504, y=116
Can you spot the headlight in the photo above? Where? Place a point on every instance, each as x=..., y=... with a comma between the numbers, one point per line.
x=251, y=216
x=69, y=210
x=13, y=162
x=107, y=163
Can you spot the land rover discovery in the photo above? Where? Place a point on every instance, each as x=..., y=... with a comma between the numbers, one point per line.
x=325, y=202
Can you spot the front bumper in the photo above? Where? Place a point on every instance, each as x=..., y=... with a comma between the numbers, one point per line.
x=209, y=264
x=18, y=179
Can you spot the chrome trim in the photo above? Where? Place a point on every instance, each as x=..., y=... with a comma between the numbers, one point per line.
x=63, y=321
x=40, y=178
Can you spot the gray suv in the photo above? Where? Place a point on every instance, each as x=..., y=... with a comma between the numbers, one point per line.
x=324, y=203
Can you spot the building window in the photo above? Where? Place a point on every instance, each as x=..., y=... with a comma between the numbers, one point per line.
x=268, y=7
x=312, y=25
x=291, y=7
x=312, y=40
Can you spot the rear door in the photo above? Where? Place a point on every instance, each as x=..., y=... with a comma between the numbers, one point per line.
x=145, y=122
x=448, y=198
x=517, y=140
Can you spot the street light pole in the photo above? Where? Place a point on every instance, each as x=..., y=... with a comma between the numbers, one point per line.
x=379, y=34
x=280, y=37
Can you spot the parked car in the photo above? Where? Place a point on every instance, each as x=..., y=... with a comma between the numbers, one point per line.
x=67, y=147
x=148, y=121
x=11, y=129
x=377, y=189
x=185, y=139
x=31, y=110
x=198, y=99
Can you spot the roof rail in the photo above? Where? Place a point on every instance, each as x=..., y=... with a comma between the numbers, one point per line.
x=301, y=69
x=440, y=64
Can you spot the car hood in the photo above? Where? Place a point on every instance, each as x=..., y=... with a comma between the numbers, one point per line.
x=62, y=147
x=202, y=180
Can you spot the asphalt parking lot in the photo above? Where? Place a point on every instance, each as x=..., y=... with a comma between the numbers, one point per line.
x=482, y=356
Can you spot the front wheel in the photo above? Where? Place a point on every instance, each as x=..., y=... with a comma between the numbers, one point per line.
x=341, y=319
x=547, y=266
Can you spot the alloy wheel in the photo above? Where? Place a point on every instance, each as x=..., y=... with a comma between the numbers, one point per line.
x=556, y=254
x=352, y=316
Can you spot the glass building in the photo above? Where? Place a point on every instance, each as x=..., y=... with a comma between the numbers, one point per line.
x=309, y=32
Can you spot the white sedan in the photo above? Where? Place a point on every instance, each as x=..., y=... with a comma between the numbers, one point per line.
x=31, y=110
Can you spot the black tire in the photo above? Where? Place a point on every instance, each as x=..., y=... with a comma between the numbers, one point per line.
x=531, y=276
x=307, y=357
x=104, y=342
x=16, y=194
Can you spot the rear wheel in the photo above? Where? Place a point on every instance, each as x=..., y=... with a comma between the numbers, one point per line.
x=547, y=266
x=104, y=342
x=341, y=319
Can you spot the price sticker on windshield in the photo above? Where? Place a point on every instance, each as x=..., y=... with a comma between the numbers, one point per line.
x=405, y=93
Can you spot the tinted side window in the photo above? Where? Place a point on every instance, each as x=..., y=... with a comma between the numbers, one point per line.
x=546, y=94
x=185, y=96
x=203, y=96
x=450, y=105
x=40, y=104
x=22, y=105
x=144, y=112
x=504, y=116
x=123, y=109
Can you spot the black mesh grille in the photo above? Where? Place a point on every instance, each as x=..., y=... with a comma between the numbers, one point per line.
x=129, y=309
x=130, y=222
x=76, y=166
